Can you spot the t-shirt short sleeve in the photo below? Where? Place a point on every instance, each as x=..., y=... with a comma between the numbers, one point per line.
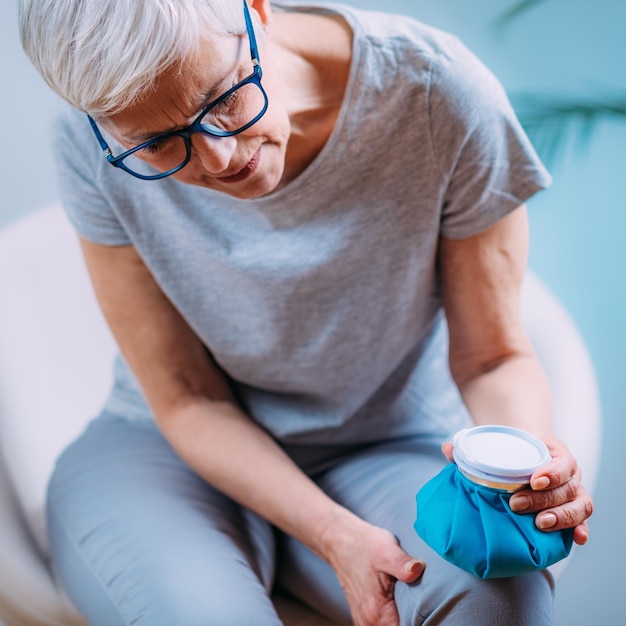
x=79, y=162
x=486, y=159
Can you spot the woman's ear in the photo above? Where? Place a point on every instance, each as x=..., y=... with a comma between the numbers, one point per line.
x=263, y=9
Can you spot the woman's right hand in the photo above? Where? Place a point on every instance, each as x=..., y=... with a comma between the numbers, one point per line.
x=368, y=562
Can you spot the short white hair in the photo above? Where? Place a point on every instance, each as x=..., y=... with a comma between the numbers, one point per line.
x=103, y=55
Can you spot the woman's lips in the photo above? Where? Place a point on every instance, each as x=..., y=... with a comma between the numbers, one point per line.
x=247, y=170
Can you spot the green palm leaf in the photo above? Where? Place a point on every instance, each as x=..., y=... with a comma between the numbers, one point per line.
x=515, y=11
x=550, y=122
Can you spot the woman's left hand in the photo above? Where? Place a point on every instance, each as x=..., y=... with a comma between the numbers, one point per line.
x=556, y=494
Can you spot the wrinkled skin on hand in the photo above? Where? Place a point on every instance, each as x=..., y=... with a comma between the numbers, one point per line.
x=369, y=562
x=556, y=494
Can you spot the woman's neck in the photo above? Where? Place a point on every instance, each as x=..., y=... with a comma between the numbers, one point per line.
x=312, y=54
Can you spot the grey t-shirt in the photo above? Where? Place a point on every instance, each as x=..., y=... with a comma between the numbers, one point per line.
x=321, y=301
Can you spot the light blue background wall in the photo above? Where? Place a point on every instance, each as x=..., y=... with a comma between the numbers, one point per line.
x=560, y=47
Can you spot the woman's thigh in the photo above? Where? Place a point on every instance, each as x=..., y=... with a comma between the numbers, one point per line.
x=379, y=484
x=138, y=538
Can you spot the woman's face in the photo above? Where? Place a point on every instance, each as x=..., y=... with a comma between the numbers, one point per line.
x=247, y=165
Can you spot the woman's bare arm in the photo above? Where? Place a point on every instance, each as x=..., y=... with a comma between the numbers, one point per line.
x=196, y=411
x=192, y=401
x=494, y=366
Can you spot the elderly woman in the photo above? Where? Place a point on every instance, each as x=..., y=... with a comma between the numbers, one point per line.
x=277, y=204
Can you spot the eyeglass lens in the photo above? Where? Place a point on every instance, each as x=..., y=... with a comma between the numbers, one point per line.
x=230, y=114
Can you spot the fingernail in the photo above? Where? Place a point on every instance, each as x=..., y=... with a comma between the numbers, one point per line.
x=519, y=503
x=413, y=567
x=546, y=521
x=541, y=483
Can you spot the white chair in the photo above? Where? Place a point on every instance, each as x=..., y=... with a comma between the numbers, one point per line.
x=55, y=371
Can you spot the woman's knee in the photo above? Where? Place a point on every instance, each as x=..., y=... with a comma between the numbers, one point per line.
x=461, y=598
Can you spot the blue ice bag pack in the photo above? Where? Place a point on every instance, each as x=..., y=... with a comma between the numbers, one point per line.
x=467, y=520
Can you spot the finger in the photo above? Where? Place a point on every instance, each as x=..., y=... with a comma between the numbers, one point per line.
x=395, y=562
x=402, y=566
x=567, y=516
x=447, y=449
x=561, y=469
x=412, y=570
x=581, y=534
x=376, y=613
x=528, y=501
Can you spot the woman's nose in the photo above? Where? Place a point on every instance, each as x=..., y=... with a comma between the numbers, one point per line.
x=213, y=152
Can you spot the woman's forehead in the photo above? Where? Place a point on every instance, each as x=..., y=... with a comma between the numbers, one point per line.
x=180, y=93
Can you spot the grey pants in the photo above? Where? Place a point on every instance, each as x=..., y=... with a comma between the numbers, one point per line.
x=138, y=538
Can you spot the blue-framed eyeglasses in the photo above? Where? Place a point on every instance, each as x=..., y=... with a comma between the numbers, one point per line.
x=233, y=112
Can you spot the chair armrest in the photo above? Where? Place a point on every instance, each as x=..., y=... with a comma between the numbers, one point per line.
x=28, y=597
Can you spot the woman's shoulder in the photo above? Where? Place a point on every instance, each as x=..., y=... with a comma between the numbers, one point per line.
x=392, y=31
x=70, y=119
x=380, y=28
x=77, y=154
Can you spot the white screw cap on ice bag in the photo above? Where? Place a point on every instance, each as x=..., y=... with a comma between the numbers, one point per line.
x=501, y=457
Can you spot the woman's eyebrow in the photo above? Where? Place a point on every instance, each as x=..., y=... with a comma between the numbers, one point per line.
x=212, y=94
x=218, y=89
x=142, y=138
x=206, y=97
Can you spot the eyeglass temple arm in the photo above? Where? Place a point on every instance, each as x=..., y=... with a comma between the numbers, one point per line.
x=254, y=50
x=103, y=144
